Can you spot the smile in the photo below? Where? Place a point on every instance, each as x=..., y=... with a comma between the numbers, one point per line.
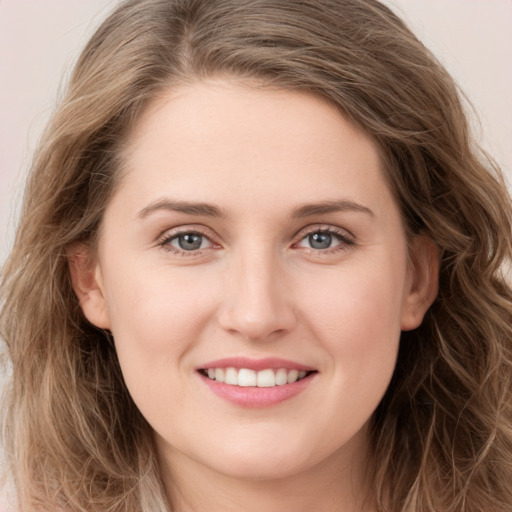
x=256, y=383
x=246, y=377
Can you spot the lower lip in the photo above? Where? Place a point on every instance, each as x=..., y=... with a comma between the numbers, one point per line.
x=254, y=397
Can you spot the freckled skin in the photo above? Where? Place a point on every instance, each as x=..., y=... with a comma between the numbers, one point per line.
x=256, y=287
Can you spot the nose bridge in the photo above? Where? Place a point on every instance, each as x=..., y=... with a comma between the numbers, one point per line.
x=258, y=304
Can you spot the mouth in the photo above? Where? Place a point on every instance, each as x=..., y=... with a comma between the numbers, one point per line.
x=256, y=383
x=247, y=377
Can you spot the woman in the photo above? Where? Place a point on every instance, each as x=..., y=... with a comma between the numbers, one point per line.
x=260, y=266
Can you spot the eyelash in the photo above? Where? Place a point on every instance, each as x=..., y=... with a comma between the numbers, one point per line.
x=165, y=241
x=346, y=240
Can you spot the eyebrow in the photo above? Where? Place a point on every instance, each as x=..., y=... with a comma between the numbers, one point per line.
x=210, y=210
x=186, y=207
x=324, y=207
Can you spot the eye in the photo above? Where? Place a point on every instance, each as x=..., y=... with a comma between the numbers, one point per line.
x=189, y=241
x=327, y=239
x=320, y=240
x=185, y=242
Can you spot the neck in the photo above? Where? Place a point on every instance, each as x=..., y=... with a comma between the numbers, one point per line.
x=325, y=487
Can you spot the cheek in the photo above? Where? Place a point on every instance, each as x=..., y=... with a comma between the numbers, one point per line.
x=157, y=320
x=362, y=298
x=357, y=317
x=156, y=309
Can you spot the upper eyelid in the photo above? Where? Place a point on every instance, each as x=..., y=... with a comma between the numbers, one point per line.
x=327, y=228
x=180, y=230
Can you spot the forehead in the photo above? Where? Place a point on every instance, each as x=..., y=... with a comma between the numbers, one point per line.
x=231, y=138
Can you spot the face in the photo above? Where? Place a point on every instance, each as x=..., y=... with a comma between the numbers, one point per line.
x=253, y=269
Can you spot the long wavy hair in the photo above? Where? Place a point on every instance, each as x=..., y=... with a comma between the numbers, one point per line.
x=441, y=439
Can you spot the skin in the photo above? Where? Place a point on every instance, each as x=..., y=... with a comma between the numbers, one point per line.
x=256, y=288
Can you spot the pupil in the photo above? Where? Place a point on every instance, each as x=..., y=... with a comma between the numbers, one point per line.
x=320, y=240
x=190, y=242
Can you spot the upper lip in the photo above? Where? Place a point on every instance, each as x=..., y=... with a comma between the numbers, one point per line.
x=255, y=364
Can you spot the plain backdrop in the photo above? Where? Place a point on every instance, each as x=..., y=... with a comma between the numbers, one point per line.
x=40, y=40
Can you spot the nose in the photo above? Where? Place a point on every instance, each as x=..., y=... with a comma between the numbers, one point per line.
x=258, y=302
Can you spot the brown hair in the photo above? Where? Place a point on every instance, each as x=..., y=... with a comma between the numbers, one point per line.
x=442, y=436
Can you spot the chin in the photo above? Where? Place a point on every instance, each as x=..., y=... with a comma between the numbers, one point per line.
x=263, y=460
x=260, y=470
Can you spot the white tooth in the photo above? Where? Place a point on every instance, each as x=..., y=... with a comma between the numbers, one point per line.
x=281, y=376
x=219, y=374
x=211, y=373
x=266, y=379
x=302, y=374
x=246, y=377
x=293, y=375
x=231, y=376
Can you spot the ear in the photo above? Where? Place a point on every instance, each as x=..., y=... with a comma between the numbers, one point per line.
x=422, y=281
x=87, y=282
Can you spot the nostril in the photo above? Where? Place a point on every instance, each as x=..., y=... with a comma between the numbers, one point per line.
x=261, y=325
